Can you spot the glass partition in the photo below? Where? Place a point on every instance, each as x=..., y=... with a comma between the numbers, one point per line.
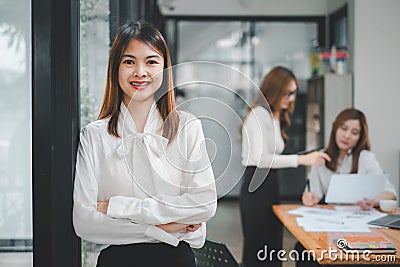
x=94, y=49
x=251, y=48
x=15, y=134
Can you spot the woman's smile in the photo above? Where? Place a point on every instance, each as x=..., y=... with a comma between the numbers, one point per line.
x=140, y=85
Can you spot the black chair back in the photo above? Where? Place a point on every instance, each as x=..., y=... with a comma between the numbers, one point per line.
x=214, y=254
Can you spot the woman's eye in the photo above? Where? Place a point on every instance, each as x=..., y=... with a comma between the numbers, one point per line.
x=129, y=61
x=152, y=62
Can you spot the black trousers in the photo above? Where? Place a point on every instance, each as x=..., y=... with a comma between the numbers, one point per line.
x=259, y=224
x=147, y=255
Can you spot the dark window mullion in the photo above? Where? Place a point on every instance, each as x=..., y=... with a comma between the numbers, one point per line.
x=55, y=122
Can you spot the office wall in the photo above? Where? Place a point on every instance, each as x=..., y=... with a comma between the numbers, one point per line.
x=244, y=7
x=376, y=72
x=336, y=4
x=374, y=41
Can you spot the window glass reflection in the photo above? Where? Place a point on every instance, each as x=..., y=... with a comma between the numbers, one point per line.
x=15, y=133
x=94, y=48
x=251, y=48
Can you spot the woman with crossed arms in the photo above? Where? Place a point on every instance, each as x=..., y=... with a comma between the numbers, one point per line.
x=144, y=186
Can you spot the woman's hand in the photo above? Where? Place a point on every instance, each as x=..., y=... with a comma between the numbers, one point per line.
x=192, y=228
x=314, y=158
x=102, y=206
x=309, y=199
x=179, y=227
x=366, y=204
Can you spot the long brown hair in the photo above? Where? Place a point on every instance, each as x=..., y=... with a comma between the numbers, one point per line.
x=272, y=89
x=164, y=96
x=363, y=143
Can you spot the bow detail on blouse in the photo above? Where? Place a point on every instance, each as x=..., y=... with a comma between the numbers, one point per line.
x=155, y=146
x=154, y=143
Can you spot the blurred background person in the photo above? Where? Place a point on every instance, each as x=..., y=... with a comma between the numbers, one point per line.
x=263, y=139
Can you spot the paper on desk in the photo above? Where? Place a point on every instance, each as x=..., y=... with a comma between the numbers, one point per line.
x=342, y=219
x=336, y=228
x=347, y=208
x=314, y=224
x=354, y=214
x=306, y=211
x=301, y=221
x=318, y=214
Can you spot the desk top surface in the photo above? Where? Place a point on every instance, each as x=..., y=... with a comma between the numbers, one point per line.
x=323, y=242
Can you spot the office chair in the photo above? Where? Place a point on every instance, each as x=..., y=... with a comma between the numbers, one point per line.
x=214, y=254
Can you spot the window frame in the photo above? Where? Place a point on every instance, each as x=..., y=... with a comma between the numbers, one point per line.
x=55, y=130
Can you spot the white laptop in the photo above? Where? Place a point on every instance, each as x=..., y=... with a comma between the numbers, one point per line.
x=350, y=188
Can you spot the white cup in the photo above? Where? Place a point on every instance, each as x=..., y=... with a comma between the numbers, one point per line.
x=387, y=205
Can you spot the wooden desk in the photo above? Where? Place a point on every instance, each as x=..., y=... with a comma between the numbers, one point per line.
x=320, y=242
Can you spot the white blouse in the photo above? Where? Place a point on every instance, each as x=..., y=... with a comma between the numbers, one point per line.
x=262, y=141
x=146, y=181
x=320, y=176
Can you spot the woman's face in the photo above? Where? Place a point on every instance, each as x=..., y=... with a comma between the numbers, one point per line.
x=289, y=96
x=140, y=72
x=348, y=134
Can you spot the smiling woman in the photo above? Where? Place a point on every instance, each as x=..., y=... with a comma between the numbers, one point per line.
x=144, y=184
x=138, y=66
x=140, y=73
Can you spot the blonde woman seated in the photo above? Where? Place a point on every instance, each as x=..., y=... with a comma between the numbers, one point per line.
x=349, y=149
